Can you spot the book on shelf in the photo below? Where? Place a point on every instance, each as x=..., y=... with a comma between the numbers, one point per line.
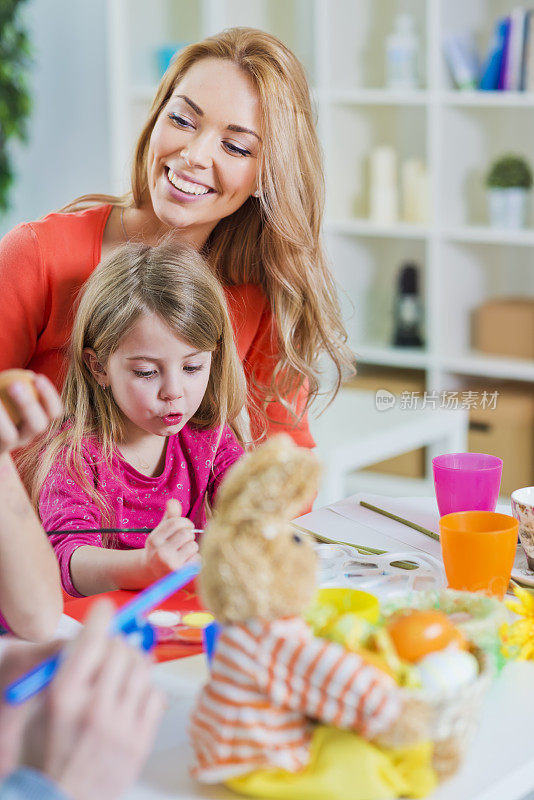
x=509, y=65
x=527, y=71
x=460, y=54
x=489, y=80
x=504, y=58
x=512, y=76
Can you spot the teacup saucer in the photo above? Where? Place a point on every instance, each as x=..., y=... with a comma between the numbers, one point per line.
x=520, y=570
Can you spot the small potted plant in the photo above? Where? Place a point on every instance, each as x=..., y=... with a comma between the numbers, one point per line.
x=509, y=181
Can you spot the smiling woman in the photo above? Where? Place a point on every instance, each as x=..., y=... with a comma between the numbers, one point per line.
x=229, y=162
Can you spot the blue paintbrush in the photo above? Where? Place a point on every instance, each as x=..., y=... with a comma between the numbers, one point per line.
x=124, y=621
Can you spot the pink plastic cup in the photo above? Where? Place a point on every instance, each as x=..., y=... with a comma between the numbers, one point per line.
x=466, y=482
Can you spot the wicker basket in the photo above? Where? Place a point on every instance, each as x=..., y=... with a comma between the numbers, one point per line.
x=448, y=717
x=453, y=716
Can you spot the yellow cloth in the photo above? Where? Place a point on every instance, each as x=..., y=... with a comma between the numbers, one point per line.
x=343, y=766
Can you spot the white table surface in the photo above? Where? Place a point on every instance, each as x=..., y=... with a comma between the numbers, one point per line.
x=498, y=766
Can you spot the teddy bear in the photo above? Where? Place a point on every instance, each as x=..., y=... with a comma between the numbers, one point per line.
x=272, y=682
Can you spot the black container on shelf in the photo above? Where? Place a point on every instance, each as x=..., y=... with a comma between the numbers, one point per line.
x=408, y=311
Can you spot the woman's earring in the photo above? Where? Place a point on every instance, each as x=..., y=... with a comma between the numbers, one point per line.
x=256, y=193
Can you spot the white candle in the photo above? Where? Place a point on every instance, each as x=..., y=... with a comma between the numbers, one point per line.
x=383, y=199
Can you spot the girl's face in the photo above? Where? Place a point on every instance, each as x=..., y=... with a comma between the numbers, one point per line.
x=158, y=380
x=204, y=148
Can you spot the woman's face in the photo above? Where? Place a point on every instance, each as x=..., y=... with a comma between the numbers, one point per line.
x=204, y=150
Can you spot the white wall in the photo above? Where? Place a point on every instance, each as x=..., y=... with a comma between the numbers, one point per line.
x=67, y=150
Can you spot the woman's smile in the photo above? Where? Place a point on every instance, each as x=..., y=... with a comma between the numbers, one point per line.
x=186, y=189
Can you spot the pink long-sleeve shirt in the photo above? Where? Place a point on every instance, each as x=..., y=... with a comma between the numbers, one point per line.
x=194, y=468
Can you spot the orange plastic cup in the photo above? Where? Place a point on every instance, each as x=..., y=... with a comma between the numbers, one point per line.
x=478, y=550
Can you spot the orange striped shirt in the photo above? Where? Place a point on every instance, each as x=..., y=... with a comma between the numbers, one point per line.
x=269, y=682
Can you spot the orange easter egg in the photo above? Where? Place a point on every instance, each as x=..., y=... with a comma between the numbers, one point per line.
x=417, y=633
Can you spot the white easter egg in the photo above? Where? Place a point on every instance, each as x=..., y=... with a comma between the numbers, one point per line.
x=448, y=669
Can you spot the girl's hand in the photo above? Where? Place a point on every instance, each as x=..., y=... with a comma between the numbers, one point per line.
x=171, y=545
x=35, y=413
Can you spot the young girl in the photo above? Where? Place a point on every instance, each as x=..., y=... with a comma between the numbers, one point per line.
x=153, y=384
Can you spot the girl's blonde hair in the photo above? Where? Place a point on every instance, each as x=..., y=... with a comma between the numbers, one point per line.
x=273, y=241
x=169, y=280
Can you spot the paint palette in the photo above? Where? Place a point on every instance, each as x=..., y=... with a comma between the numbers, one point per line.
x=174, y=626
x=341, y=565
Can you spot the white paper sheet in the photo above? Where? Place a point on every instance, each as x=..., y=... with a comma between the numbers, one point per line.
x=421, y=510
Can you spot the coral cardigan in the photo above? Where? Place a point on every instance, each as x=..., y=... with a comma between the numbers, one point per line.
x=44, y=264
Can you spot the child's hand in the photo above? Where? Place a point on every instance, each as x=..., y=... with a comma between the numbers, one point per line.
x=171, y=545
x=33, y=414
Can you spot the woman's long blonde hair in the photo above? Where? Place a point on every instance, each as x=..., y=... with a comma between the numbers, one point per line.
x=172, y=281
x=273, y=241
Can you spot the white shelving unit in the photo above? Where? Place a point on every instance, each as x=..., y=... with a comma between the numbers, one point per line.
x=342, y=44
x=463, y=260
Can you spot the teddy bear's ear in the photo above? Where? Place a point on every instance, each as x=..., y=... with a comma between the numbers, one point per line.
x=277, y=480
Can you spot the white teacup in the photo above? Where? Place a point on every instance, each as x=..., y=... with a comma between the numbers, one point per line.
x=523, y=510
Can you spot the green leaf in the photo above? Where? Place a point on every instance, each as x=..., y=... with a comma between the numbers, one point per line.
x=508, y=172
x=15, y=101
